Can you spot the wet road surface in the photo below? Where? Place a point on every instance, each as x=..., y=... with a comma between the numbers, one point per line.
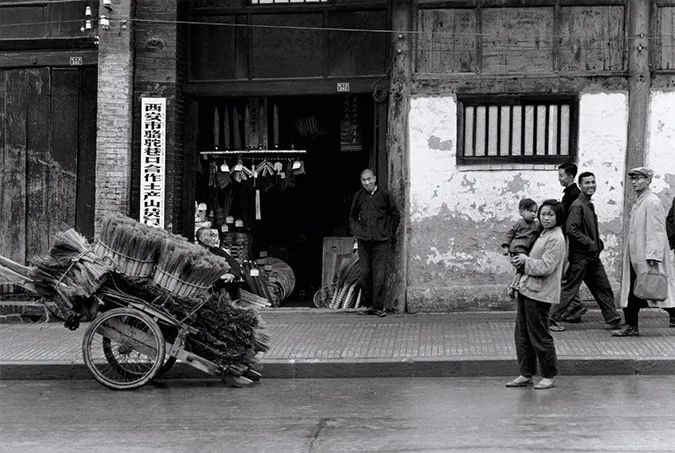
x=583, y=414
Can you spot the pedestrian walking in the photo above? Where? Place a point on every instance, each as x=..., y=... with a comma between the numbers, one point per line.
x=539, y=289
x=373, y=218
x=566, y=174
x=646, y=250
x=585, y=265
x=520, y=237
x=670, y=226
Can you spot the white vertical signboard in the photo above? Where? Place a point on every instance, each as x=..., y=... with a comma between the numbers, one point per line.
x=153, y=161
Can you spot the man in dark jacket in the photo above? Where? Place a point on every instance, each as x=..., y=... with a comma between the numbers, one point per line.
x=585, y=266
x=670, y=226
x=373, y=219
x=566, y=174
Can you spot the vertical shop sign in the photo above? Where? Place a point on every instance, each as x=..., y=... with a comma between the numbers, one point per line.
x=153, y=157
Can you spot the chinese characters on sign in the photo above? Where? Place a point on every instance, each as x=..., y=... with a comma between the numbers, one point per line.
x=153, y=168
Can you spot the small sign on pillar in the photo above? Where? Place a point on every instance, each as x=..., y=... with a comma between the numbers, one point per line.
x=343, y=87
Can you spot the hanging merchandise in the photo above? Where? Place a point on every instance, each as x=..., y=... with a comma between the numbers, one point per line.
x=350, y=126
x=258, y=215
x=223, y=177
x=307, y=127
x=262, y=123
x=275, y=126
x=216, y=128
x=226, y=128
x=236, y=130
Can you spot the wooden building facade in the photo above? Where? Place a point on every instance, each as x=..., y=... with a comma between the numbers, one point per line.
x=471, y=105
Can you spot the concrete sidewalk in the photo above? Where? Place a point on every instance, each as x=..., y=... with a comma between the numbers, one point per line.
x=318, y=343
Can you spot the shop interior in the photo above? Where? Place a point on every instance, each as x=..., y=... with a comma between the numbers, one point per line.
x=276, y=176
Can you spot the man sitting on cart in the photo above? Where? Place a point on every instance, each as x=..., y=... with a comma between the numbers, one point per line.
x=206, y=237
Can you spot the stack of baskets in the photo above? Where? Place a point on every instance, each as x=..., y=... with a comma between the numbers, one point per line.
x=280, y=278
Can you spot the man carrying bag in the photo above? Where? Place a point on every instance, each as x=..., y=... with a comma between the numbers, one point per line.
x=647, y=263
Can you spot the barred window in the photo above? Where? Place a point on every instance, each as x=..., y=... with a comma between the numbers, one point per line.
x=516, y=129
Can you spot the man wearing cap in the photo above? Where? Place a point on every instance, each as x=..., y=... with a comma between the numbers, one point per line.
x=646, y=249
x=585, y=266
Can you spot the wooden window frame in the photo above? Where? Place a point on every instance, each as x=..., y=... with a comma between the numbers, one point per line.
x=464, y=101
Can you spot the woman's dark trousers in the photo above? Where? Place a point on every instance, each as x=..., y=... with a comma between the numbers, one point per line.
x=533, y=339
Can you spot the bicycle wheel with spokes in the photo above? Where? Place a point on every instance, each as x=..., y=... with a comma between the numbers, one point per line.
x=123, y=348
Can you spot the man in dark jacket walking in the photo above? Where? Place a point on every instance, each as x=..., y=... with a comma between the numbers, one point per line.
x=585, y=266
x=670, y=226
x=373, y=219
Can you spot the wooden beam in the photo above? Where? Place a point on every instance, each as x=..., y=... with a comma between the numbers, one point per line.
x=397, y=147
x=84, y=42
x=48, y=58
x=639, y=82
x=289, y=87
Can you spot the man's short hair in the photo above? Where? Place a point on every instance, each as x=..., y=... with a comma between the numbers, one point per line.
x=526, y=204
x=570, y=168
x=200, y=233
x=367, y=170
x=586, y=174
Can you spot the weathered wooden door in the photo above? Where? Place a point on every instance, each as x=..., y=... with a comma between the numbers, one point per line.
x=47, y=156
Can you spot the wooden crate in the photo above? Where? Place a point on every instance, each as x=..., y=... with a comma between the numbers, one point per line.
x=334, y=249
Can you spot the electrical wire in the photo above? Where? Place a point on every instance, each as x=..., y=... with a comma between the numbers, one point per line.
x=420, y=36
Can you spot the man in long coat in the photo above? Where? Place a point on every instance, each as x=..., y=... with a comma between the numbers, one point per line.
x=646, y=248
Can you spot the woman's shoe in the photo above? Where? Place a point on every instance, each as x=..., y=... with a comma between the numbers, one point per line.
x=520, y=381
x=544, y=384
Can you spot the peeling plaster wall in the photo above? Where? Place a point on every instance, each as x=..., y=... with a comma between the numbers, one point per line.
x=661, y=144
x=458, y=216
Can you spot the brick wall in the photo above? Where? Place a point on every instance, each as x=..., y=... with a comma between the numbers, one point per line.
x=159, y=69
x=114, y=114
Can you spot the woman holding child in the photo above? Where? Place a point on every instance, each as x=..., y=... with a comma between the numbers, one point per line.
x=539, y=288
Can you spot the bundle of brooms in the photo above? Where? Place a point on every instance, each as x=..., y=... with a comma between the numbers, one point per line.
x=131, y=245
x=70, y=274
x=186, y=269
x=347, y=290
x=228, y=334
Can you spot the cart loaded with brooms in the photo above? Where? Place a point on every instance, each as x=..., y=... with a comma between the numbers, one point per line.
x=149, y=298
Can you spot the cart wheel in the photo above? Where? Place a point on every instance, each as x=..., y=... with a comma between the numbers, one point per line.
x=123, y=348
x=168, y=364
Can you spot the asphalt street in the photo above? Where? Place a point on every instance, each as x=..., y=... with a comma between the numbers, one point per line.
x=605, y=413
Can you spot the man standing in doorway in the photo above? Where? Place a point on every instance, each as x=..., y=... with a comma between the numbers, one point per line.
x=646, y=250
x=585, y=266
x=566, y=174
x=373, y=219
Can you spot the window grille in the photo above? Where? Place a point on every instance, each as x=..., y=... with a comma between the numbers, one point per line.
x=516, y=129
x=284, y=2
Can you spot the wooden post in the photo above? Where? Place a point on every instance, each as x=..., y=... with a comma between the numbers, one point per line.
x=639, y=83
x=397, y=146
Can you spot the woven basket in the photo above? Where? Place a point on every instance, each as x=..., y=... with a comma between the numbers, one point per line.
x=124, y=264
x=175, y=285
